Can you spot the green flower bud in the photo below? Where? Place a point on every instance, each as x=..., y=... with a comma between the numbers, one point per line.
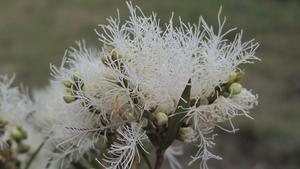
x=235, y=88
x=69, y=99
x=232, y=78
x=166, y=107
x=114, y=56
x=18, y=134
x=76, y=77
x=186, y=134
x=203, y=101
x=67, y=83
x=161, y=118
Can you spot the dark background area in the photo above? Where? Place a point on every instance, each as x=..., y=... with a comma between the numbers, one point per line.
x=34, y=33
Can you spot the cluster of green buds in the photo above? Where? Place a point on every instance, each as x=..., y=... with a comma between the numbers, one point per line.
x=162, y=122
x=73, y=88
x=18, y=134
x=14, y=145
x=233, y=86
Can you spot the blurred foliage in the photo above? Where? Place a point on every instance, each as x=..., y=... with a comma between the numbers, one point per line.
x=35, y=33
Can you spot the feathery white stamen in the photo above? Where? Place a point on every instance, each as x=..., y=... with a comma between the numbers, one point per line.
x=124, y=150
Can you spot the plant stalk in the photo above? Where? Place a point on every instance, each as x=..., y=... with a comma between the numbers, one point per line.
x=34, y=155
x=159, y=158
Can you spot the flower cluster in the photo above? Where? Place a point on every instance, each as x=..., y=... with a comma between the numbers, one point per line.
x=17, y=138
x=147, y=85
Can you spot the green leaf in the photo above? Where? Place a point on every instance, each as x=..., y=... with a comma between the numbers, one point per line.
x=144, y=155
x=175, y=121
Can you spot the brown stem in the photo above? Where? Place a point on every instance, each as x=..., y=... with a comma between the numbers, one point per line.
x=159, y=158
x=135, y=162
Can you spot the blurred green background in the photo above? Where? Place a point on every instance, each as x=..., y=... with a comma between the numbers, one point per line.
x=34, y=33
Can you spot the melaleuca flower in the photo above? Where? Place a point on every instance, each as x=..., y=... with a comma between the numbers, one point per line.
x=18, y=138
x=51, y=113
x=15, y=107
x=148, y=83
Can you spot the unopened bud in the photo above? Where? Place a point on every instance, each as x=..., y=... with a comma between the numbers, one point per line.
x=76, y=77
x=203, y=101
x=166, y=107
x=69, y=99
x=114, y=56
x=232, y=78
x=186, y=134
x=235, y=88
x=18, y=134
x=67, y=83
x=161, y=119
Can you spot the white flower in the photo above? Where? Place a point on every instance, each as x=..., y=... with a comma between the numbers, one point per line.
x=222, y=109
x=205, y=117
x=17, y=112
x=159, y=62
x=15, y=108
x=143, y=69
x=14, y=105
x=153, y=59
x=220, y=58
x=124, y=150
x=77, y=125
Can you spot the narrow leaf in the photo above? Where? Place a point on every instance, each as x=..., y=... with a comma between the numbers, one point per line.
x=175, y=121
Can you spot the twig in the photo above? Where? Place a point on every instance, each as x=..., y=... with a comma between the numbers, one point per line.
x=159, y=158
